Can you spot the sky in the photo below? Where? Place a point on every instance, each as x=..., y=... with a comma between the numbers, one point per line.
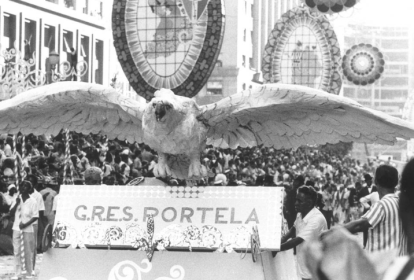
x=380, y=12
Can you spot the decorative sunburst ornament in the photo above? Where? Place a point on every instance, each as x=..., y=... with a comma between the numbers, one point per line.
x=330, y=6
x=363, y=64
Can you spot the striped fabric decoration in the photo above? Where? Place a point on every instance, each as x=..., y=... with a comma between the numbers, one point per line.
x=68, y=164
x=22, y=258
x=22, y=170
x=386, y=232
x=16, y=163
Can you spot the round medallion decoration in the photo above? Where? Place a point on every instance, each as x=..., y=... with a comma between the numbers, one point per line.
x=171, y=44
x=329, y=6
x=363, y=64
x=303, y=49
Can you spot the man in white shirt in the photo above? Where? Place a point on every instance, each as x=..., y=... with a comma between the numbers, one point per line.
x=25, y=213
x=309, y=222
x=41, y=208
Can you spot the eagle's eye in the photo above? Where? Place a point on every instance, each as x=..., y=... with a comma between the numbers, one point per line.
x=168, y=107
x=153, y=105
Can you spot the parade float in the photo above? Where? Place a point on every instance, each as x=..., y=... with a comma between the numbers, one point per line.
x=167, y=50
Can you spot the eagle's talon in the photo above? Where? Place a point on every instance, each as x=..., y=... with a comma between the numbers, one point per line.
x=194, y=170
x=161, y=169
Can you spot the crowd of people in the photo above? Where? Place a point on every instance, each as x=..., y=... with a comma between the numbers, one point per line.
x=343, y=185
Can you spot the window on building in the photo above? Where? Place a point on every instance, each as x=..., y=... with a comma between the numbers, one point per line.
x=68, y=44
x=30, y=40
x=53, y=1
x=397, y=56
x=49, y=45
x=95, y=8
x=252, y=10
x=251, y=63
x=98, y=63
x=70, y=4
x=84, y=55
x=377, y=94
x=396, y=69
x=364, y=93
x=395, y=94
x=395, y=81
x=82, y=6
x=394, y=44
x=219, y=63
x=244, y=86
x=244, y=35
x=349, y=92
x=215, y=88
x=244, y=61
x=9, y=31
x=49, y=41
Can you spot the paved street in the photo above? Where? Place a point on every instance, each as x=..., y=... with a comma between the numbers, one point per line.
x=7, y=268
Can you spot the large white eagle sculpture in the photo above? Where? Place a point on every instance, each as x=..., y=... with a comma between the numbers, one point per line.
x=275, y=115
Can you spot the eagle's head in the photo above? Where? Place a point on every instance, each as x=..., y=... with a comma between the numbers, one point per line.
x=161, y=109
x=167, y=109
x=164, y=107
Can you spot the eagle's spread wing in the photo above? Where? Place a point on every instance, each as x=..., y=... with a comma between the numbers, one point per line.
x=80, y=107
x=288, y=116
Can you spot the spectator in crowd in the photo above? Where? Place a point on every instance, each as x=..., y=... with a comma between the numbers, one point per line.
x=93, y=176
x=383, y=219
x=337, y=255
x=367, y=189
x=25, y=213
x=327, y=209
x=309, y=222
x=40, y=205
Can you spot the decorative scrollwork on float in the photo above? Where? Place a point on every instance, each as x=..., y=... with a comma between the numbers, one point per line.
x=129, y=270
x=17, y=74
x=67, y=71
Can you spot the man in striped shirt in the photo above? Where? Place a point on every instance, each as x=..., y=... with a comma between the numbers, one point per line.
x=383, y=220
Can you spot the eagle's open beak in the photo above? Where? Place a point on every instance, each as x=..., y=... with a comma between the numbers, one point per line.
x=160, y=111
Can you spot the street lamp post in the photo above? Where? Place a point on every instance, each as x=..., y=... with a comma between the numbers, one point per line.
x=53, y=60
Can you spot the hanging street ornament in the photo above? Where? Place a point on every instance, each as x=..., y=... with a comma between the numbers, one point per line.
x=303, y=49
x=329, y=6
x=363, y=64
x=172, y=44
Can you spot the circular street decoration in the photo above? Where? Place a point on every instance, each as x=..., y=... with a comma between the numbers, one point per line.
x=303, y=49
x=171, y=44
x=329, y=6
x=363, y=64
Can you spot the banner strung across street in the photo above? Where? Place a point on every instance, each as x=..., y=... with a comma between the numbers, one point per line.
x=208, y=217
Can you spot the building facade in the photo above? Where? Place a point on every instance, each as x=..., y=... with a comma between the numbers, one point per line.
x=389, y=93
x=77, y=30
x=248, y=25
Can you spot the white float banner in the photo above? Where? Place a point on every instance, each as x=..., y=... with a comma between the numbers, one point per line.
x=205, y=217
